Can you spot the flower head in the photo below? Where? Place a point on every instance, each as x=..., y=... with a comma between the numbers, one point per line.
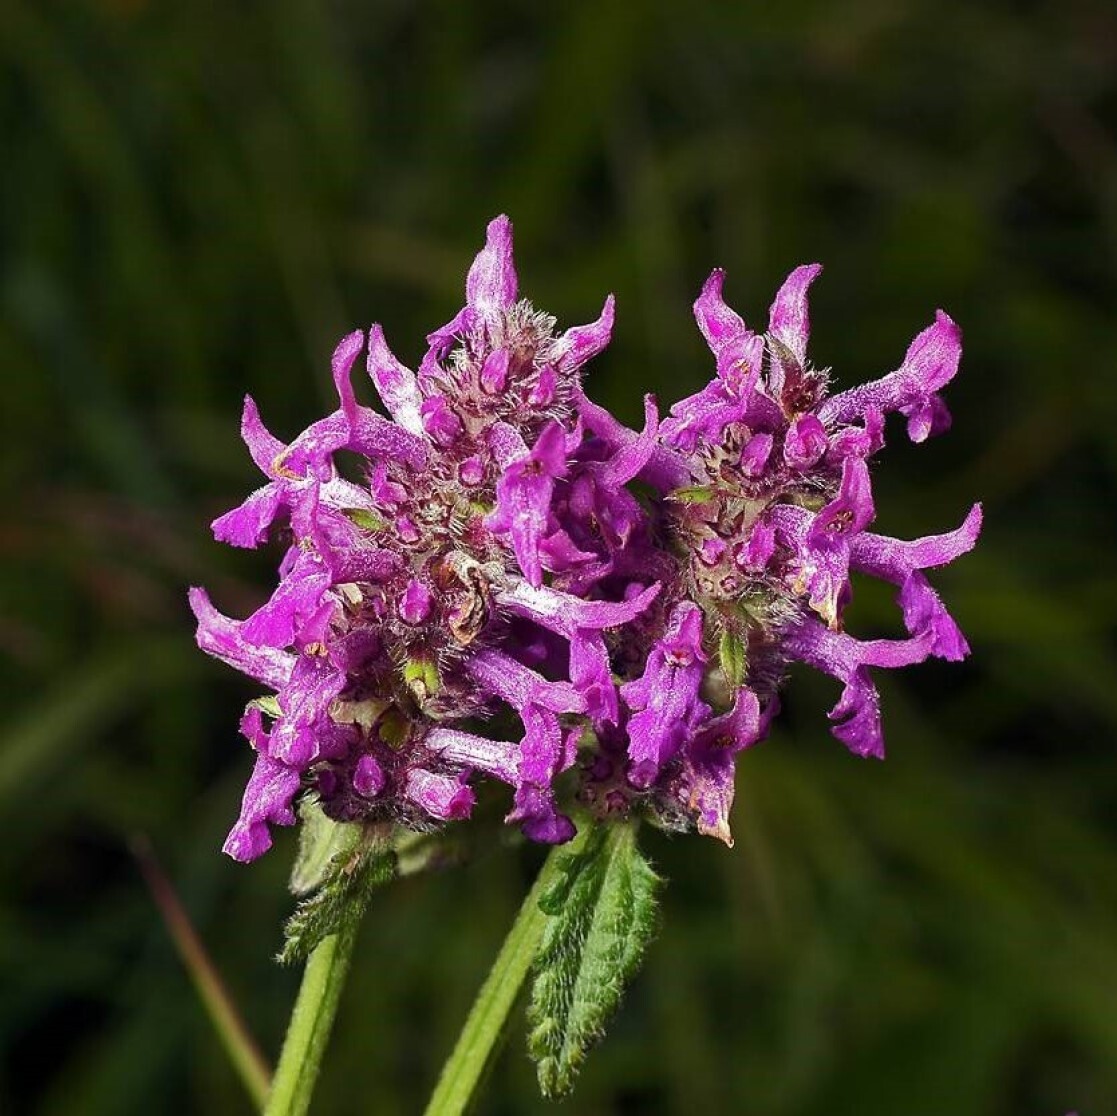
x=408, y=606
x=495, y=563
x=766, y=499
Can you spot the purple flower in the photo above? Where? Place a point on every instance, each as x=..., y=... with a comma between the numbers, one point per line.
x=267, y=798
x=666, y=708
x=767, y=501
x=709, y=763
x=412, y=604
x=930, y=364
x=797, y=523
x=500, y=560
x=523, y=498
x=857, y=714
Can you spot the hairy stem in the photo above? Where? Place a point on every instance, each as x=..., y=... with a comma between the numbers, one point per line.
x=311, y=1023
x=489, y=1014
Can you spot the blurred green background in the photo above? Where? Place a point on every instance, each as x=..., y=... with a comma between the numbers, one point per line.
x=198, y=199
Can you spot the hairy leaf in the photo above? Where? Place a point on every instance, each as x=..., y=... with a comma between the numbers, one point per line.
x=269, y=704
x=341, y=899
x=733, y=656
x=601, y=915
x=692, y=494
x=322, y=842
x=362, y=517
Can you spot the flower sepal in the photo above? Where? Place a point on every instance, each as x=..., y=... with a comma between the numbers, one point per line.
x=338, y=867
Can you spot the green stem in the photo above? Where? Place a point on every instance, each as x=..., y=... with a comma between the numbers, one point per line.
x=311, y=1023
x=466, y=1065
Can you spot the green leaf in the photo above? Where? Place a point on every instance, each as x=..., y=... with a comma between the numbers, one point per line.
x=268, y=704
x=362, y=517
x=322, y=842
x=733, y=656
x=692, y=494
x=339, y=902
x=421, y=676
x=601, y=915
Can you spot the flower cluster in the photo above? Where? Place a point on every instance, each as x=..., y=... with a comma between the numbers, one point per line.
x=516, y=584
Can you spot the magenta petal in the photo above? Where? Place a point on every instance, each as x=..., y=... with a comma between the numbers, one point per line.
x=368, y=777
x=559, y=552
x=732, y=397
x=716, y=320
x=267, y=798
x=931, y=362
x=665, y=469
x=858, y=710
x=924, y=611
x=491, y=284
x=542, y=758
x=376, y=438
x=899, y=562
x=739, y=364
x=263, y=447
x=932, y=358
x=498, y=758
x=664, y=700
x=395, y=384
x=857, y=717
x=858, y=441
x=546, y=387
x=708, y=764
x=523, y=499
x=520, y=686
x=754, y=457
x=506, y=444
x=341, y=364
x=535, y=810
x=415, y=605
x=851, y=511
x=592, y=676
x=820, y=545
x=632, y=458
x=440, y=423
x=541, y=751
x=927, y=418
x=223, y=639
x=441, y=796
x=299, y=734
x=581, y=343
x=298, y=595
x=357, y=563
x=789, y=317
x=494, y=372
x=758, y=548
x=805, y=442
x=548, y=827
x=248, y=525
x=893, y=558
x=566, y=614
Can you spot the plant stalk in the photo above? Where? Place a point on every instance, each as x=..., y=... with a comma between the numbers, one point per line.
x=311, y=1022
x=483, y=1028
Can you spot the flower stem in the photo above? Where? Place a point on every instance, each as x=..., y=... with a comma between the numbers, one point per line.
x=489, y=1014
x=311, y=1023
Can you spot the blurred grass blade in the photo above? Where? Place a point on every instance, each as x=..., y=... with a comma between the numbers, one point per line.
x=91, y=695
x=231, y=1030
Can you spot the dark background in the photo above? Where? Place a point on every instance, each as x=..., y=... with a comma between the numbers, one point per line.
x=198, y=199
